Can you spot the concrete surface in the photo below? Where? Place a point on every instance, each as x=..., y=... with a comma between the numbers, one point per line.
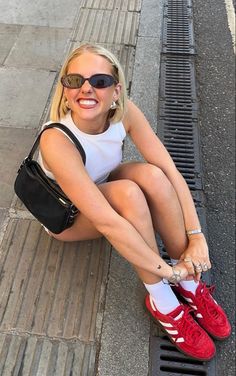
x=77, y=309
x=216, y=89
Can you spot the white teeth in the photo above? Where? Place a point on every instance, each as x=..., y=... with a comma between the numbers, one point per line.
x=87, y=102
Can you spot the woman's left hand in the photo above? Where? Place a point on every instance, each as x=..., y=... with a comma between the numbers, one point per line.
x=196, y=256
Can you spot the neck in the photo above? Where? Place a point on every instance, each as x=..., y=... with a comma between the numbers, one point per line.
x=95, y=126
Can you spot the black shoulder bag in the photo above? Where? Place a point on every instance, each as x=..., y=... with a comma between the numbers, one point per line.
x=41, y=195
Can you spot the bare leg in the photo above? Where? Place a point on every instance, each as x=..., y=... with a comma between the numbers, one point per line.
x=129, y=201
x=163, y=203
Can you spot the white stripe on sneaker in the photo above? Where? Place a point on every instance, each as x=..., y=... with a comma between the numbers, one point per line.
x=181, y=339
x=188, y=299
x=166, y=324
x=173, y=332
x=179, y=316
x=199, y=315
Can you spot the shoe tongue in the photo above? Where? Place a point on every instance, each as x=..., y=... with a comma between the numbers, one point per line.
x=177, y=313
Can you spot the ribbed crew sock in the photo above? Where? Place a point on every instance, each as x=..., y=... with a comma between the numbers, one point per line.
x=190, y=286
x=164, y=298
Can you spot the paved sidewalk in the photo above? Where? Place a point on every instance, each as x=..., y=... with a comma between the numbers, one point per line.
x=67, y=309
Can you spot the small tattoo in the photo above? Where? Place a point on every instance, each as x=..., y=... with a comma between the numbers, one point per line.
x=159, y=267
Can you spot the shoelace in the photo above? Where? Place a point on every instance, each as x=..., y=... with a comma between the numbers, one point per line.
x=206, y=300
x=187, y=326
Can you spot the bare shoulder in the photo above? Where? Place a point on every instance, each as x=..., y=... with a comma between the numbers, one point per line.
x=133, y=116
x=134, y=119
x=58, y=150
x=54, y=140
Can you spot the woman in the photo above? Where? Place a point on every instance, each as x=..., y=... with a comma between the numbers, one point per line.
x=128, y=202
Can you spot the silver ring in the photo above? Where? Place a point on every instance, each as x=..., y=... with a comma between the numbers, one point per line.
x=187, y=259
x=198, y=267
x=204, y=267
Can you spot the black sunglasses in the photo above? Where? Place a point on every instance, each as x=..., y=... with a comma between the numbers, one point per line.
x=99, y=81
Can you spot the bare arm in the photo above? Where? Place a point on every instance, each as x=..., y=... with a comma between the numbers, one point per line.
x=64, y=161
x=155, y=153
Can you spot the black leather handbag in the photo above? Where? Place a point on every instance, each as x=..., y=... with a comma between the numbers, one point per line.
x=41, y=195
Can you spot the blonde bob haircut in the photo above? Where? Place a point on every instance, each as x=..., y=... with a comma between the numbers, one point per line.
x=59, y=108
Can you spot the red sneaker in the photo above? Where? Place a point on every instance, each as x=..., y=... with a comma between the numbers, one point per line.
x=183, y=331
x=206, y=310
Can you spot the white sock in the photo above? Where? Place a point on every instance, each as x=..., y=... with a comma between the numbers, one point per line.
x=190, y=286
x=164, y=297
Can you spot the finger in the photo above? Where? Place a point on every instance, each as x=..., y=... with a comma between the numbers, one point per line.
x=189, y=278
x=204, y=267
x=189, y=265
x=197, y=277
x=198, y=267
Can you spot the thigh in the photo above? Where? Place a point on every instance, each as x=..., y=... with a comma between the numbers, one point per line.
x=150, y=178
x=135, y=171
x=83, y=229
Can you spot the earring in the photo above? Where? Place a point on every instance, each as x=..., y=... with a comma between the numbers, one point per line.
x=67, y=104
x=113, y=105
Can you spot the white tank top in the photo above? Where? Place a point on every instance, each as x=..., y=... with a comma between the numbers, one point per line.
x=103, y=151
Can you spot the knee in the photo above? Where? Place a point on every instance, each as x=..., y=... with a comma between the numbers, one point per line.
x=131, y=197
x=130, y=191
x=155, y=180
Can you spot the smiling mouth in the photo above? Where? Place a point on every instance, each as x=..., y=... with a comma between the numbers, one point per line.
x=88, y=103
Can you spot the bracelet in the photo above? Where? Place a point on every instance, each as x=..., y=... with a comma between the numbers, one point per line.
x=176, y=277
x=193, y=232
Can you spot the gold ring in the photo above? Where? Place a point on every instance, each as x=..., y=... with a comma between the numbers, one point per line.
x=187, y=259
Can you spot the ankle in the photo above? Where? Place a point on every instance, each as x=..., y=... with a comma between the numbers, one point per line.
x=190, y=286
x=163, y=296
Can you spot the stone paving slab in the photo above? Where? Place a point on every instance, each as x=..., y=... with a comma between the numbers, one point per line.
x=12, y=32
x=127, y=5
x=51, y=302
x=51, y=288
x=14, y=146
x=107, y=26
x=51, y=13
x=3, y=217
x=33, y=45
x=37, y=356
x=145, y=75
x=18, y=92
x=150, y=21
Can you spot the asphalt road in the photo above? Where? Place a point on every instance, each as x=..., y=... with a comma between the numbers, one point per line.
x=216, y=90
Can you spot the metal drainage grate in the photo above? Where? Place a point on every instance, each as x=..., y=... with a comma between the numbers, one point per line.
x=183, y=146
x=178, y=27
x=177, y=128
x=171, y=362
x=177, y=80
x=178, y=116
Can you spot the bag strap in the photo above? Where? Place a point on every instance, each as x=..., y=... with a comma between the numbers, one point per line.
x=64, y=129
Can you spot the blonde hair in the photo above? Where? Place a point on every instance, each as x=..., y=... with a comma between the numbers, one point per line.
x=59, y=108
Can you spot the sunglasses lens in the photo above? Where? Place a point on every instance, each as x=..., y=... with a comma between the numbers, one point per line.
x=72, y=81
x=100, y=81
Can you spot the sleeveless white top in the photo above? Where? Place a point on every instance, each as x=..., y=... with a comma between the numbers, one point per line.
x=103, y=151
